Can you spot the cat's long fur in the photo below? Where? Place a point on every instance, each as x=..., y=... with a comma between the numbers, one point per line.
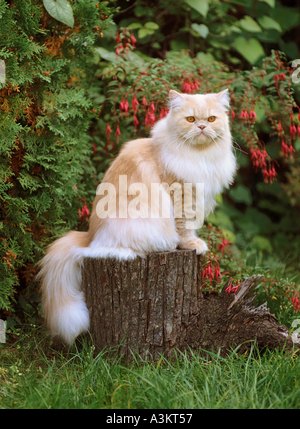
x=178, y=151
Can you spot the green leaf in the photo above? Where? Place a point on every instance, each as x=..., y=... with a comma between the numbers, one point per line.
x=269, y=23
x=144, y=32
x=60, y=10
x=250, y=49
x=135, y=25
x=151, y=26
x=201, y=29
x=206, y=58
x=269, y=2
x=241, y=194
x=105, y=54
x=200, y=6
x=248, y=24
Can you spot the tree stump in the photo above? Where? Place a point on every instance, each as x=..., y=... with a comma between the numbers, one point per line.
x=154, y=305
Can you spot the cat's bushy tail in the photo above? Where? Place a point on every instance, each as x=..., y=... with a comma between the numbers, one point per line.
x=63, y=302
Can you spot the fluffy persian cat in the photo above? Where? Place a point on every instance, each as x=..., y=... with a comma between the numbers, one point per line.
x=192, y=144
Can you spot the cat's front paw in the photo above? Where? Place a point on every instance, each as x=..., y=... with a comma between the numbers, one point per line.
x=196, y=243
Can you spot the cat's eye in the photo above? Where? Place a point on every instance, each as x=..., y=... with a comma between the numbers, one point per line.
x=190, y=119
x=211, y=119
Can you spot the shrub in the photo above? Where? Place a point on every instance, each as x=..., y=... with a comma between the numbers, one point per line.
x=44, y=144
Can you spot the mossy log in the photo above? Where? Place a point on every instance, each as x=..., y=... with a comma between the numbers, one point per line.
x=155, y=305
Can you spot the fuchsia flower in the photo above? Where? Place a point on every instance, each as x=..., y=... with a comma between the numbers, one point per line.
x=296, y=303
x=108, y=130
x=122, y=105
x=135, y=122
x=152, y=107
x=217, y=272
x=186, y=87
x=150, y=118
x=135, y=103
x=118, y=133
x=231, y=289
x=293, y=131
x=144, y=102
x=258, y=157
x=287, y=150
x=75, y=187
x=228, y=289
x=84, y=213
x=232, y=114
x=133, y=40
x=126, y=107
x=252, y=115
x=280, y=129
x=269, y=175
x=223, y=245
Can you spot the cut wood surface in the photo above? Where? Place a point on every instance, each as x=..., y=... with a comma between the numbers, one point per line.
x=155, y=305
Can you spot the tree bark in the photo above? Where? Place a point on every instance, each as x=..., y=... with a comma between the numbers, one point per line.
x=154, y=305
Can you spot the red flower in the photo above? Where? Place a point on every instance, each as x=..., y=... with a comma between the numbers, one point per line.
x=280, y=129
x=223, y=245
x=152, y=107
x=162, y=114
x=144, y=102
x=108, y=131
x=135, y=122
x=252, y=115
x=232, y=114
x=83, y=213
x=228, y=289
x=133, y=40
x=126, y=107
x=235, y=288
x=118, y=133
x=217, y=272
x=75, y=187
x=122, y=105
x=293, y=131
x=284, y=148
x=135, y=103
x=186, y=87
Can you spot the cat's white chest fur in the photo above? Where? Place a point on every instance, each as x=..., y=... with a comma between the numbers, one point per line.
x=214, y=169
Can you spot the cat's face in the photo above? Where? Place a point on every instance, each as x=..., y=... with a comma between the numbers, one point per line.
x=199, y=119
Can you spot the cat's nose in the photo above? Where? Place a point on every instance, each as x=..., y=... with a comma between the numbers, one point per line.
x=202, y=127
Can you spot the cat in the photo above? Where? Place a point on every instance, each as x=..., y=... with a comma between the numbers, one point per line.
x=192, y=144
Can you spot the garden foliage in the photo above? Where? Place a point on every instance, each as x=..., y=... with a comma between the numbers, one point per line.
x=44, y=142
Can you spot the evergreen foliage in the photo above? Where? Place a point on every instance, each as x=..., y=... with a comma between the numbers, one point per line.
x=44, y=144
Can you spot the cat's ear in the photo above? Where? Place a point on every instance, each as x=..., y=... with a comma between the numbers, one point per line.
x=176, y=99
x=223, y=98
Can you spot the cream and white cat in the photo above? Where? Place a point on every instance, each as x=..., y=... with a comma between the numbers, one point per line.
x=192, y=144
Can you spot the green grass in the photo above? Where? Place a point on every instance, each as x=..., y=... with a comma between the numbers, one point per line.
x=34, y=375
